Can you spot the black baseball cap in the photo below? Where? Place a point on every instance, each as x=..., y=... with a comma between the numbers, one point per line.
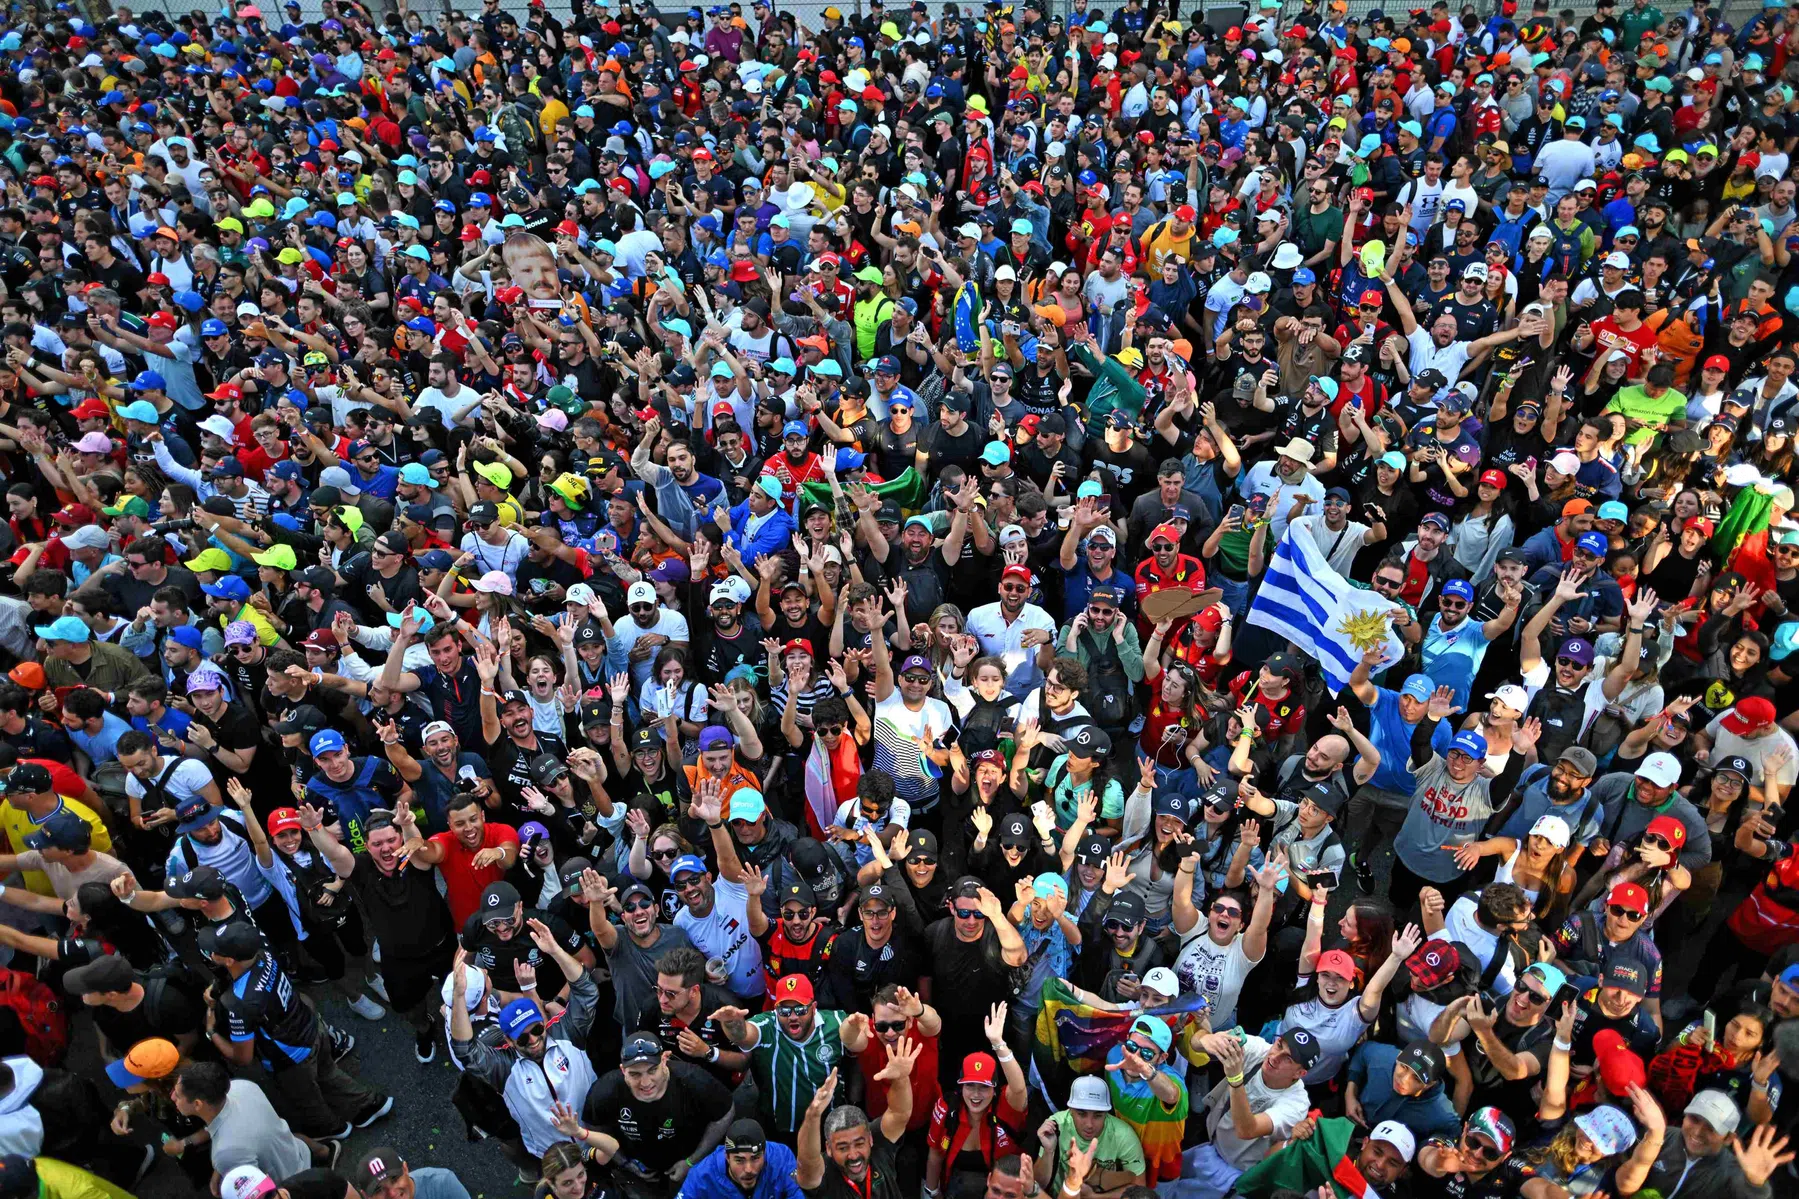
x=498, y=901
x=107, y=975
x=237, y=940
x=745, y=1136
x=877, y=893
x=640, y=1047
x=202, y=882
x=27, y=778
x=1093, y=850
x=1015, y=830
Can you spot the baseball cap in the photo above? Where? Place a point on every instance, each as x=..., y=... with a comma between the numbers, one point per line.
x=377, y=1168
x=106, y=975
x=1090, y=1094
x=1392, y=1131
x=1714, y=1107
x=154, y=1057
x=1661, y=769
x=498, y=901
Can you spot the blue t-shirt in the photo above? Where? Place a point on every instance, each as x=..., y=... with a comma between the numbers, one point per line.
x=383, y=486
x=1451, y=657
x=1393, y=737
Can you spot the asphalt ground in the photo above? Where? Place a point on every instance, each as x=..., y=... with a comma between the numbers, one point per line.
x=423, y=1126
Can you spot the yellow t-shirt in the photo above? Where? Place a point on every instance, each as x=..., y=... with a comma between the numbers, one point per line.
x=18, y=824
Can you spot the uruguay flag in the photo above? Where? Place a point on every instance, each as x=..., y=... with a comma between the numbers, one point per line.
x=1313, y=606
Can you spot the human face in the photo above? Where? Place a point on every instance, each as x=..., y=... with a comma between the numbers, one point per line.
x=745, y=1167
x=1380, y=1162
x=570, y=1184
x=1529, y=999
x=384, y=844
x=647, y=1080
x=469, y=823
x=1700, y=1138
x=1225, y=917
x=850, y=1149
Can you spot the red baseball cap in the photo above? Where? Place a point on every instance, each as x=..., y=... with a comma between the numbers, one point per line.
x=793, y=988
x=979, y=1068
x=1373, y=296
x=1619, y=1068
x=1185, y=213
x=480, y=178
x=1749, y=715
x=799, y=643
x=1700, y=523
x=569, y=228
x=283, y=819
x=89, y=409
x=1337, y=962
x=1717, y=362
x=1631, y=896
x=1495, y=478
x=702, y=155
x=469, y=233
x=75, y=515
x=1166, y=530
x=226, y=391
x=1669, y=829
x=1015, y=572
x=162, y=320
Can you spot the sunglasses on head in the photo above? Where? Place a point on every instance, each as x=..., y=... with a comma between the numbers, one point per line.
x=1620, y=912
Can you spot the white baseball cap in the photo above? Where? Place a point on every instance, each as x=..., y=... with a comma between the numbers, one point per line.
x=1553, y=829
x=1661, y=769
x=1090, y=1094
x=641, y=592
x=246, y=1182
x=1618, y=259
x=1512, y=696
x=1162, y=981
x=1397, y=1135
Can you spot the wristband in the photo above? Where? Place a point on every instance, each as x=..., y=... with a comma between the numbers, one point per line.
x=719, y=825
x=713, y=1055
x=1235, y=1080
x=1005, y=1057
x=1564, y=1046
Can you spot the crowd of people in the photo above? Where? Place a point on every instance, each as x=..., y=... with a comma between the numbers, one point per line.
x=709, y=566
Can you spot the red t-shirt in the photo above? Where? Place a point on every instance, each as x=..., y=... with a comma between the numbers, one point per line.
x=925, y=1087
x=1608, y=336
x=1285, y=715
x=992, y=1135
x=463, y=883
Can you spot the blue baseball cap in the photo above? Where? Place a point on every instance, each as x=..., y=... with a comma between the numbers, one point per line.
x=518, y=1016
x=229, y=587
x=148, y=381
x=435, y=560
x=795, y=428
x=1303, y=276
x=1419, y=687
x=687, y=864
x=1472, y=744
x=1594, y=543
x=1460, y=589
x=187, y=635
x=214, y=328
x=326, y=741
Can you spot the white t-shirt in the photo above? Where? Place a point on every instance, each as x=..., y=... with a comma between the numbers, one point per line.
x=186, y=781
x=446, y=406
x=669, y=623
x=725, y=933
x=1004, y=640
x=1215, y=971
x=1286, y=1108
x=898, y=733
x=1338, y=1029
x=1459, y=924
x=1426, y=355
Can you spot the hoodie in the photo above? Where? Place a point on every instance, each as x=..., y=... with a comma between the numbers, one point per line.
x=21, y=1127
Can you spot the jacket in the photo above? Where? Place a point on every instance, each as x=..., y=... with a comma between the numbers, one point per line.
x=565, y=1073
x=710, y=1179
x=1427, y=1114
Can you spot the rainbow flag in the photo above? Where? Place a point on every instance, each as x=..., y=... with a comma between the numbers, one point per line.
x=1072, y=1035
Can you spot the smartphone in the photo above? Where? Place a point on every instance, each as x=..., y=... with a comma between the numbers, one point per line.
x=1321, y=878
x=1530, y=463
x=1711, y=1027
x=1236, y=513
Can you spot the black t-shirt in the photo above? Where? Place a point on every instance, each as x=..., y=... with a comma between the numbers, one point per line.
x=408, y=916
x=943, y=448
x=170, y=1008
x=510, y=764
x=264, y=1004
x=882, y=1182
x=655, y=1134
x=857, y=969
x=500, y=957
x=649, y=1018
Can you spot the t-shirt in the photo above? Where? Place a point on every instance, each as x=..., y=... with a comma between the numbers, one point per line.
x=1337, y=1029
x=789, y=1072
x=1119, y=1150
x=408, y=916
x=463, y=883
x=247, y=1132
x=501, y=958
x=1216, y=971
x=724, y=932
x=1286, y=1108
x=1452, y=656
x=20, y=824
x=1444, y=812
x=262, y=1005
x=654, y=1134
x=1636, y=404
x=1158, y=1125
x=66, y=882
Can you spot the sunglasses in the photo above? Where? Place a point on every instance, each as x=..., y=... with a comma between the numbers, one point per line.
x=642, y=905
x=1533, y=996
x=664, y=854
x=1656, y=842
x=890, y=1025
x=792, y=1011
x=1620, y=912
x=1140, y=1050
x=1161, y=547
x=828, y=730
x=1228, y=910
x=919, y=860
x=1571, y=663
x=1481, y=1147
x=1454, y=605
x=970, y=914
x=1115, y=926
x=535, y=1033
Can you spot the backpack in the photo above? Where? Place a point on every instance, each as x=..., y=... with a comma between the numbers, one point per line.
x=191, y=856
x=1113, y=706
x=41, y=1016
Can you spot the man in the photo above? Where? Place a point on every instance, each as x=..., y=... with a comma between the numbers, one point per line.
x=1148, y=1095
x=746, y=1166
x=1019, y=633
x=31, y=801
x=1504, y=1046
x=242, y=1126
x=1317, y=1161
x=794, y=1048
x=522, y=1067
x=683, y=1015
x=384, y=1174
x=862, y=1162
x=1708, y=1158
x=495, y=939
x=873, y=955
x=405, y=913
x=129, y=1007
x=1389, y=1083
x=260, y=1015
x=1615, y=947
x=1088, y=1127
x=1261, y=1101
x=665, y=1115
x=471, y=855
x=715, y=912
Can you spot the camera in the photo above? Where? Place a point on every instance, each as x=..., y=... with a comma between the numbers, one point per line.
x=174, y=526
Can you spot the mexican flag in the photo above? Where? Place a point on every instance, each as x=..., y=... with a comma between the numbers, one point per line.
x=1306, y=1165
x=908, y=491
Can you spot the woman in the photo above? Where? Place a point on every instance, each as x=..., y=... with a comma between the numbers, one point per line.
x=1579, y=1158
x=945, y=627
x=1170, y=719
x=1367, y=931
x=669, y=692
x=793, y=680
x=1327, y=1002
x=1485, y=529
x=1217, y=956
x=1735, y=1065
x=651, y=855
x=564, y=1164
x=549, y=706
x=977, y=785
x=1774, y=455
x=1535, y=865
x=1651, y=859
x=1167, y=863
x=1083, y=767
x=976, y=1124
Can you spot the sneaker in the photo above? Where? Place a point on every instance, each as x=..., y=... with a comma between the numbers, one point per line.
x=425, y=1048
x=1364, y=873
x=342, y=1044
x=527, y=1179
x=367, y=1008
x=387, y=1105
x=378, y=986
x=151, y=1153
x=334, y=1149
x=340, y=1136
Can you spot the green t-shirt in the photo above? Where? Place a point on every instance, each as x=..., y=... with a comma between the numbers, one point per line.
x=1313, y=230
x=1634, y=403
x=1119, y=1150
x=789, y=1072
x=1066, y=795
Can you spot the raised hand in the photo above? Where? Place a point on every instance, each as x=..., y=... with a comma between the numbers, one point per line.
x=565, y=1119
x=995, y=1025
x=1765, y=1153
x=1441, y=704
x=901, y=1057
x=1408, y=941
x=754, y=881
x=1642, y=607
x=1119, y=874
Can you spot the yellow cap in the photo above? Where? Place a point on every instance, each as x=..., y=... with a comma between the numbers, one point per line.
x=890, y=30
x=209, y=559
x=497, y=473
x=831, y=14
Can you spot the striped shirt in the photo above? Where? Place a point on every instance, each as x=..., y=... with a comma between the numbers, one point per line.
x=789, y=1072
